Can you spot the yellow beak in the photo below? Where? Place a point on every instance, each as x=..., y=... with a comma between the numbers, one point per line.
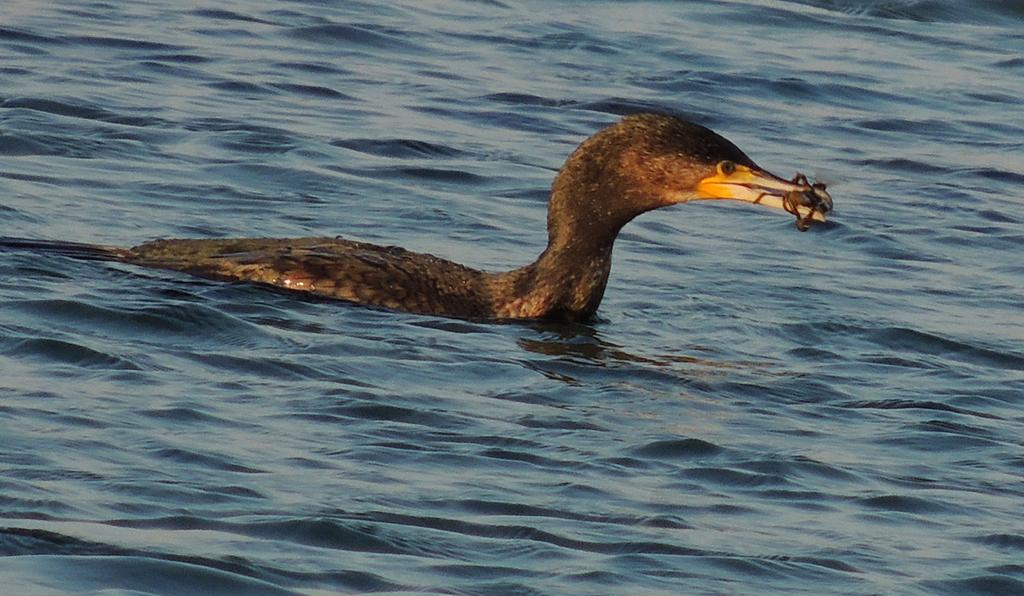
x=761, y=188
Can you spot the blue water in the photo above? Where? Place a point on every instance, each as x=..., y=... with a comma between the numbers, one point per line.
x=757, y=410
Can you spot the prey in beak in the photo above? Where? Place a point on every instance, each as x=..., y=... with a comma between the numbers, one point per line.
x=799, y=197
x=815, y=200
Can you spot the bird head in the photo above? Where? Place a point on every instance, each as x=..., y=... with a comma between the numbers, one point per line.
x=648, y=161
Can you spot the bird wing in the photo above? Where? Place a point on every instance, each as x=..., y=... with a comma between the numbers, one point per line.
x=359, y=272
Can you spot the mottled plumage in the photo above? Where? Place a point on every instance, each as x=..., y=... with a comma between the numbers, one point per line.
x=391, y=277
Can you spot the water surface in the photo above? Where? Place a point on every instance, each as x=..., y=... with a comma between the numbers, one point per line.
x=756, y=410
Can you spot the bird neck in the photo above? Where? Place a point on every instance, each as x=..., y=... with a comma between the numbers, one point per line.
x=568, y=279
x=567, y=282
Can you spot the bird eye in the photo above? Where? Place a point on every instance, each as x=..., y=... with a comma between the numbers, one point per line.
x=727, y=167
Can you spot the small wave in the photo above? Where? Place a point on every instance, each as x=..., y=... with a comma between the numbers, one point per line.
x=391, y=413
x=9, y=34
x=313, y=91
x=567, y=41
x=903, y=504
x=64, y=352
x=190, y=320
x=925, y=11
x=620, y=106
x=455, y=177
x=730, y=477
x=86, y=566
x=205, y=460
x=558, y=423
x=998, y=175
x=678, y=449
x=1010, y=63
x=398, y=148
x=995, y=584
x=182, y=415
x=135, y=574
x=370, y=36
x=902, y=404
x=914, y=341
x=1004, y=541
x=104, y=144
x=897, y=341
x=524, y=99
x=320, y=68
x=78, y=110
x=258, y=142
x=504, y=508
x=237, y=87
x=275, y=368
x=227, y=15
x=343, y=535
x=14, y=145
x=124, y=43
x=179, y=58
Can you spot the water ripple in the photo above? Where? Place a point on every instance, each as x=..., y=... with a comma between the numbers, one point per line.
x=756, y=410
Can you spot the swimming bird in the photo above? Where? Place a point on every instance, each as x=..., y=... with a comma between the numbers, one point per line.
x=642, y=162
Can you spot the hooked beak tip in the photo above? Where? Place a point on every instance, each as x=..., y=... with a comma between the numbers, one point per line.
x=799, y=197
